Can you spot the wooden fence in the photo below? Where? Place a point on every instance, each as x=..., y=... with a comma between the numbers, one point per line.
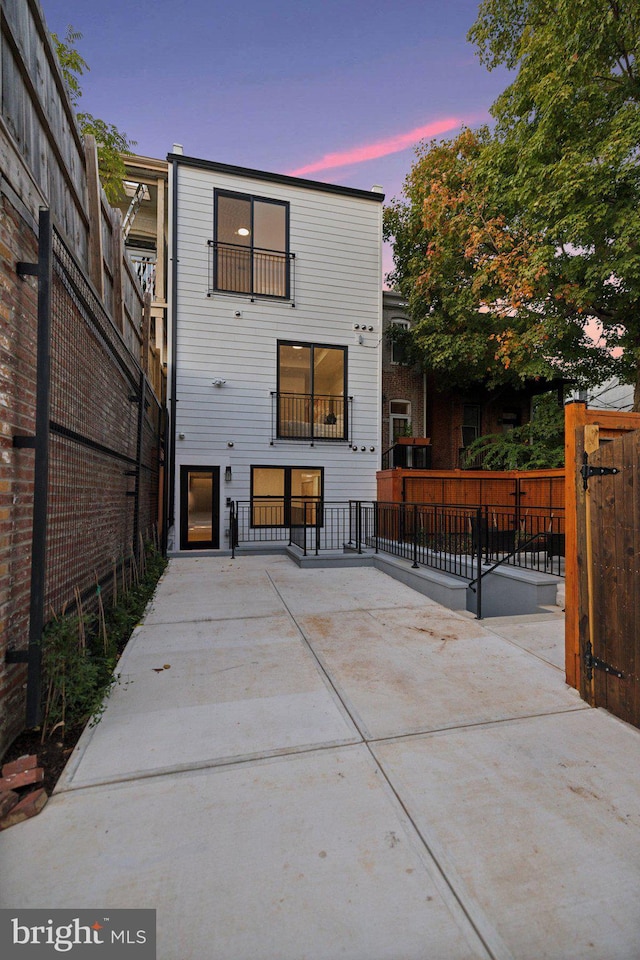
x=585, y=432
x=530, y=491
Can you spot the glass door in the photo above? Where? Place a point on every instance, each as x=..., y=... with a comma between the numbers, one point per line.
x=199, y=508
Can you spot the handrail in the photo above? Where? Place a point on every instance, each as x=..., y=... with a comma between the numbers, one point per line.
x=519, y=549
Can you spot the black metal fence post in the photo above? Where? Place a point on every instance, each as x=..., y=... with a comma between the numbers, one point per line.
x=376, y=524
x=479, y=566
x=138, y=468
x=359, y=525
x=232, y=530
x=43, y=270
x=304, y=528
x=414, y=565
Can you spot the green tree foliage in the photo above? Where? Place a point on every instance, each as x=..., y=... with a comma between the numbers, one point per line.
x=536, y=445
x=480, y=282
x=111, y=143
x=566, y=148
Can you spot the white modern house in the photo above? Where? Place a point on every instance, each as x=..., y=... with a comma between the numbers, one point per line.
x=274, y=359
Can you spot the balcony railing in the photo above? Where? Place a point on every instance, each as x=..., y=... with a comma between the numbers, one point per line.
x=307, y=416
x=145, y=268
x=256, y=272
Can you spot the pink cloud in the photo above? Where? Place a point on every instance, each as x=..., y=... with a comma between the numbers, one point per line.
x=381, y=148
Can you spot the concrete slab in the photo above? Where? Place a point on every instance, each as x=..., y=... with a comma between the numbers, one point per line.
x=536, y=823
x=362, y=588
x=227, y=785
x=407, y=671
x=542, y=635
x=214, y=589
x=203, y=693
x=308, y=856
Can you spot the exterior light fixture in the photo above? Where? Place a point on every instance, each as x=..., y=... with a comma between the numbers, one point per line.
x=227, y=474
x=218, y=383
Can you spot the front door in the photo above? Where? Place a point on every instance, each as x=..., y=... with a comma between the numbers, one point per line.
x=199, y=508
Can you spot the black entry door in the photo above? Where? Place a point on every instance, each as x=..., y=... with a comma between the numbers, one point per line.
x=199, y=508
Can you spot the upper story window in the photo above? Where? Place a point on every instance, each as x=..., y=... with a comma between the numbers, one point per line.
x=251, y=245
x=398, y=348
x=312, y=387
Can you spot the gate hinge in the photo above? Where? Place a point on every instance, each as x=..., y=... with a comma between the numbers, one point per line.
x=596, y=663
x=587, y=471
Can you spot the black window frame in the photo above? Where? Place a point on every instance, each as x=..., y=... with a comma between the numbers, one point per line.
x=253, y=198
x=345, y=380
x=286, y=498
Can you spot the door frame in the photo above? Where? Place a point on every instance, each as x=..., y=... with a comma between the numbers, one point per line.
x=214, y=543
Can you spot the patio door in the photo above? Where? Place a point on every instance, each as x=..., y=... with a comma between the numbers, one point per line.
x=199, y=508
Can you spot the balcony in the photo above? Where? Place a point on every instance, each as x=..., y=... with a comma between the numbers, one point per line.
x=250, y=270
x=305, y=416
x=408, y=453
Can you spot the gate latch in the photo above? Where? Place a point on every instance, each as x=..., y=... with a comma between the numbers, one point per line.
x=587, y=472
x=595, y=663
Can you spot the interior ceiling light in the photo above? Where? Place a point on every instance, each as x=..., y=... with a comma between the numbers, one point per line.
x=243, y=232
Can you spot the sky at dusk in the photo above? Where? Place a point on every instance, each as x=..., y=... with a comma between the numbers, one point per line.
x=338, y=90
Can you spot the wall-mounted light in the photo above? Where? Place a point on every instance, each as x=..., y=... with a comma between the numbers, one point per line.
x=218, y=383
x=230, y=443
x=227, y=474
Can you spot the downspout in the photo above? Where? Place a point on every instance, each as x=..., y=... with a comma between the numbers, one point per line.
x=174, y=345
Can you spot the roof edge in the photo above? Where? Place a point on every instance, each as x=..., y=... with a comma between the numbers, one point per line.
x=275, y=177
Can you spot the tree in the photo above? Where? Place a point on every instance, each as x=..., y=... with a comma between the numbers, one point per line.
x=566, y=149
x=111, y=143
x=537, y=445
x=480, y=283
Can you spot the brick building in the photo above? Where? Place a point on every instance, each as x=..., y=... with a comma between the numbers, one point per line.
x=417, y=404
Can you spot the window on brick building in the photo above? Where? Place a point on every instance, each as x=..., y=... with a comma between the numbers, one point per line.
x=399, y=419
x=398, y=349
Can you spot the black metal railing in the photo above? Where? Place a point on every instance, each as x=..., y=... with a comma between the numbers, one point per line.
x=234, y=268
x=310, y=416
x=407, y=456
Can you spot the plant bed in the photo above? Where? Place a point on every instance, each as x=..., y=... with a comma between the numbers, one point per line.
x=66, y=716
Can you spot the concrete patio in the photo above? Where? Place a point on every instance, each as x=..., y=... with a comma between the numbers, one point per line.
x=324, y=763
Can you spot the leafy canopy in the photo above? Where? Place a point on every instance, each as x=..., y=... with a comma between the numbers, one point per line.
x=485, y=289
x=566, y=147
x=111, y=143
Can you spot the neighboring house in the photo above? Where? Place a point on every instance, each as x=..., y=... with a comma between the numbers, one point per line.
x=275, y=311
x=611, y=395
x=419, y=405
x=403, y=391
x=144, y=226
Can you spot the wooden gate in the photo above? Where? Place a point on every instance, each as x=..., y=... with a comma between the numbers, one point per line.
x=610, y=637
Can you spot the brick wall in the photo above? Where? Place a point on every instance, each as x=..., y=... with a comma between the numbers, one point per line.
x=18, y=308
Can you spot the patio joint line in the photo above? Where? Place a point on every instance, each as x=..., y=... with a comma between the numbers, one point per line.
x=317, y=659
x=435, y=860
x=367, y=742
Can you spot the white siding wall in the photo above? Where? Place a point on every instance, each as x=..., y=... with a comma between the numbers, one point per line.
x=337, y=245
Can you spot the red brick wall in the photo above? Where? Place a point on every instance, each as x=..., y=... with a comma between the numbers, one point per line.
x=18, y=311
x=90, y=517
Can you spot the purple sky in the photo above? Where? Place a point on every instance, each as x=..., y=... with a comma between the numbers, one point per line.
x=334, y=90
